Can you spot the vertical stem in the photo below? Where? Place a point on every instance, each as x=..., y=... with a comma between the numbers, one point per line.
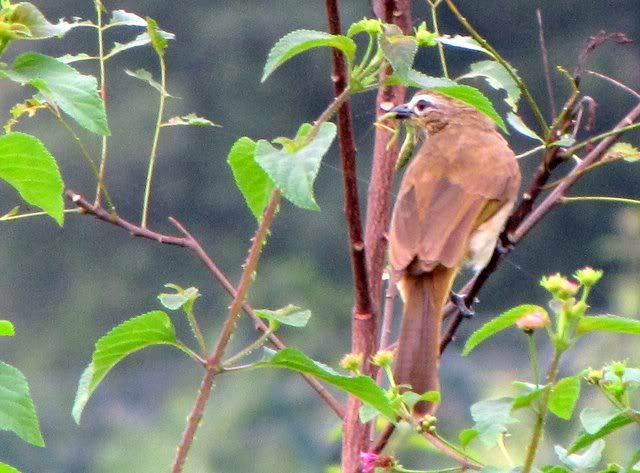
x=532, y=449
x=356, y=435
x=533, y=355
x=434, y=20
x=103, y=93
x=154, y=146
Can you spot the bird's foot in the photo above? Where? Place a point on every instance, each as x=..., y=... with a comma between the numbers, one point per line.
x=504, y=245
x=459, y=301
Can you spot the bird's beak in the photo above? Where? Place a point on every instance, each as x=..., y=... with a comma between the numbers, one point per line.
x=402, y=111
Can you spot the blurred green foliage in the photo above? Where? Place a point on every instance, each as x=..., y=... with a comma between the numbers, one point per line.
x=64, y=288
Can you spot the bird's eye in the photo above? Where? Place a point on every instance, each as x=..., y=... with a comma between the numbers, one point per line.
x=421, y=105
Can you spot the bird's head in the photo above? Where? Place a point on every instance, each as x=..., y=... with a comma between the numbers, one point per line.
x=431, y=111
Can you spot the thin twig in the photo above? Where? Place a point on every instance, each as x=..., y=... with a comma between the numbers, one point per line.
x=510, y=70
x=616, y=83
x=189, y=242
x=103, y=93
x=214, y=360
x=545, y=63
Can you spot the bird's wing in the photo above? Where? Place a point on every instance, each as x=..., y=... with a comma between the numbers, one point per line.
x=454, y=184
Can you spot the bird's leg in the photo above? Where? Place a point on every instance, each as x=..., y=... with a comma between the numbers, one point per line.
x=459, y=301
x=504, y=245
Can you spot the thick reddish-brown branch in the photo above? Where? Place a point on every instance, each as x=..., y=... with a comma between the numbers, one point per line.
x=363, y=327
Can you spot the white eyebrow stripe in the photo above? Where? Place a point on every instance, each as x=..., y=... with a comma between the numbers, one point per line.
x=425, y=97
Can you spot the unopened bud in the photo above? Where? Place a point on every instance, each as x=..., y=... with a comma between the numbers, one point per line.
x=559, y=286
x=530, y=321
x=588, y=276
x=594, y=376
x=427, y=424
x=352, y=362
x=424, y=37
x=383, y=358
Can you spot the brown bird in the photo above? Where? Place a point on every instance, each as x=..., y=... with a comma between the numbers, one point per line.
x=453, y=203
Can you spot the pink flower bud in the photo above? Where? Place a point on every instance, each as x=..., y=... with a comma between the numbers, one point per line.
x=533, y=320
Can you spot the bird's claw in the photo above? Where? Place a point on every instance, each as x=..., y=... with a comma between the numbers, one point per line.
x=460, y=303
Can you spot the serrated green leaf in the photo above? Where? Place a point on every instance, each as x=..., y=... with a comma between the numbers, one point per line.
x=70, y=58
x=6, y=329
x=26, y=165
x=531, y=393
x=476, y=99
x=608, y=323
x=400, y=50
x=554, y=469
x=362, y=387
x=254, y=184
x=125, y=18
x=294, y=173
x=4, y=468
x=141, y=40
x=593, y=420
x=17, y=412
x=564, y=396
x=498, y=78
x=76, y=94
x=497, y=324
x=300, y=41
x=491, y=419
x=37, y=26
x=466, y=436
x=158, y=42
x=191, y=119
x=521, y=127
x=586, y=439
x=152, y=328
x=589, y=459
x=291, y=315
x=464, y=42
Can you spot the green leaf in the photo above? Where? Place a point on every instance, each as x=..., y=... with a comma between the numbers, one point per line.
x=589, y=459
x=152, y=328
x=146, y=76
x=367, y=413
x=26, y=165
x=517, y=124
x=17, y=412
x=191, y=119
x=158, y=42
x=564, y=397
x=300, y=41
x=608, y=323
x=593, y=420
x=6, y=329
x=125, y=18
x=466, y=436
x=491, y=418
x=400, y=50
x=254, y=184
x=182, y=297
x=634, y=463
x=294, y=173
x=37, y=26
x=368, y=25
x=4, y=468
x=419, y=80
x=76, y=94
x=69, y=58
x=291, y=315
x=501, y=322
x=554, y=469
x=498, y=78
x=476, y=99
x=141, y=40
x=586, y=439
x=625, y=151
x=531, y=393
x=362, y=387
x=410, y=398
x=464, y=42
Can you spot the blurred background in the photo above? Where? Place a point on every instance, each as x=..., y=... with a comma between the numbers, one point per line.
x=65, y=287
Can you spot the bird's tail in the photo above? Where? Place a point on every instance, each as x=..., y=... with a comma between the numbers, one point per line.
x=418, y=354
